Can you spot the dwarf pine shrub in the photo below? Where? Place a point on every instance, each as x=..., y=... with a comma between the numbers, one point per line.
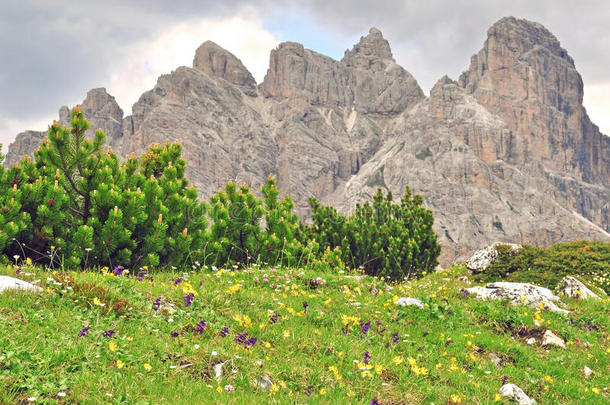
x=385, y=238
x=76, y=205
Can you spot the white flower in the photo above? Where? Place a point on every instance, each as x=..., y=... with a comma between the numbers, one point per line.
x=61, y=394
x=214, y=353
x=32, y=399
x=196, y=346
x=108, y=394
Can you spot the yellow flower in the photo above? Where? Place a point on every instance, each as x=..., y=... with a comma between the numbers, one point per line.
x=322, y=392
x=267, y=345
x=498, y=397
x=456, y=399
x=378, y=368
x=112, y=346
x=28, y=261
x=147, y=367
x=351, y=393
x=595, y=390
x=97, y=302
x=286, y=333
x=120, y=364
x=548, y=379
x=397, y=360
x=219, y=389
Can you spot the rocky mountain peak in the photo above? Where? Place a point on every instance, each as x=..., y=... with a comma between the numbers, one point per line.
x=216, y=61
x=371, y=52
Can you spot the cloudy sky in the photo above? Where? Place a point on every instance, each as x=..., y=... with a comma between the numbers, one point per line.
x=54, y=51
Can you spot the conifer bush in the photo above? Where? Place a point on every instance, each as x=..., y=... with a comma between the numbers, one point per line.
x=384, y=238
x=76, y=205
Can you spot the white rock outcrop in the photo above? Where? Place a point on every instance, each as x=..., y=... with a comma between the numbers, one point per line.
x=519, y=293
x=405, y=302
x=514, y=393
x=11, y=283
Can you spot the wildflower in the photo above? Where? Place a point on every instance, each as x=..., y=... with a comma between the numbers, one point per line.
x=174, y=334
x=548, y=379
x=229, y=388
x=323, y=391
x=188, y=299
x=118, y=270
x=395, y=338
x=61, y=394
x=224, y=331
x=112, y=346
x=456, y=399
x=398, y=360
x=200, y=327
x=379, y=369
x=120, y=364
x=176, y=281
x=156, y=304
x=108, y=333
x=273, y=318
x=96, y=301
x=84, y=331
x=364, y=327
x=595, y=390
x=366, y=357
x=147, y=367
x=497, y=397
x=305, y=305
x=374, y=401
x=286, y=333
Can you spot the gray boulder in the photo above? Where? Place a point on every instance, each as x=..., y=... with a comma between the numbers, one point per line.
x=482, y=259
x=572, y=287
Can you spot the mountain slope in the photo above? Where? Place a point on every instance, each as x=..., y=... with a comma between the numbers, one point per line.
x=505, y=153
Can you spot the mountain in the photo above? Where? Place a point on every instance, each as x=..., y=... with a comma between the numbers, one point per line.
x=505, y=153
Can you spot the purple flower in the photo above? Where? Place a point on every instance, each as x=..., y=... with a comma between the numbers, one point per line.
x=273, y=318
x=108, y=333
x=374, y=402
x=188, y=299
x=425, y=334
x=465, y=293
x=504, y=380
x=395, y=337
x=305, y=305
x=364, y=327
x=176, y=281
x=224, y=332
x=118, y=270
x=244, y=340
x=174, y=334
x=156, y=304
x=448, y=342
x=200, y=327
x=84, y=331
x=367, y=357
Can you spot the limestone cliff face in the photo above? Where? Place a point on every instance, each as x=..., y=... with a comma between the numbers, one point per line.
x=507, y=153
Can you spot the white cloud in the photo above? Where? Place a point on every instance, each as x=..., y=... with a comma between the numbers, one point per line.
x=597, y=103
x=145, y=61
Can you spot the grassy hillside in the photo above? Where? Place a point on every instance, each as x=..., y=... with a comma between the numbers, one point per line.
x=319, y=338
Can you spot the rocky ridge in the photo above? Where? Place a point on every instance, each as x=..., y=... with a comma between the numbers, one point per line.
x=506, y=153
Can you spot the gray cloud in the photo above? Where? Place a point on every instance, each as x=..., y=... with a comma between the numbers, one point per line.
x=54, y=51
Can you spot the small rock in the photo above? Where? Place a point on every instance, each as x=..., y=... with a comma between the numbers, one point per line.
x=551, y=339
x=531, y=341
x=218, y=372
x=495, y=359
x=264, y=383
x=11, y=283
x=572, y=287
x=482, y=259
x=512, y=392
x=587, y=371
x=405, y=301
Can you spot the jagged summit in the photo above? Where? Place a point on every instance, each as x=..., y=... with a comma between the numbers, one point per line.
x=371, y=52
x=216, y=61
